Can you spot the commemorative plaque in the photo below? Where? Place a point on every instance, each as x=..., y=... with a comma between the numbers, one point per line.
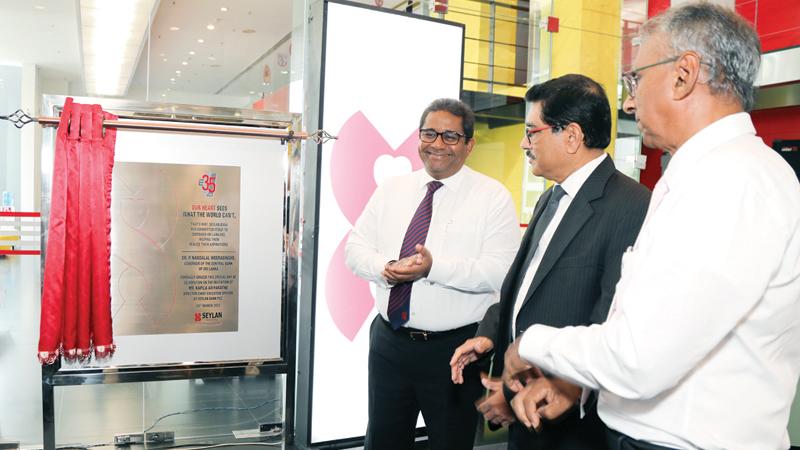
x=175, y=248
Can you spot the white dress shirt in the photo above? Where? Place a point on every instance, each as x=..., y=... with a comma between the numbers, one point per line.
x=473, y=238
x=571, y=185
x=702, y=345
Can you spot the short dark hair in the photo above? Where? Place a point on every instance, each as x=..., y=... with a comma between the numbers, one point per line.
x=579, y=99
x=456, y=108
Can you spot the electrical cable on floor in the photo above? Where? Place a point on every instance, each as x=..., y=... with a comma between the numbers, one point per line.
x=85, y=446
x=217, y=408
x=233, y=444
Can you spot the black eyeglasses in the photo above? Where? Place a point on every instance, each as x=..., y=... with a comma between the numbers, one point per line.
x=631, y=78
x=449, y=137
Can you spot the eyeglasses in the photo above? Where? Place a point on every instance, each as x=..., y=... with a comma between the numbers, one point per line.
x=530, y=132
x=449, y=137
x=631, y=78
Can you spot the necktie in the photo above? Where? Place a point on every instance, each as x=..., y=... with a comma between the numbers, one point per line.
x=541, y=225
x=417, y=232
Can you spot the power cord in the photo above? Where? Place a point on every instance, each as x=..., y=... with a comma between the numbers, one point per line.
x=218, y=408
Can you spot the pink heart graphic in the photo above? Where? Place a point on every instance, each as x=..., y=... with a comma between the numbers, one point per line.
x=352, y=161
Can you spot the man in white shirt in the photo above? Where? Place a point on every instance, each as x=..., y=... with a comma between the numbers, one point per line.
x=701, y=348
x=569, y=261
x=436, y=243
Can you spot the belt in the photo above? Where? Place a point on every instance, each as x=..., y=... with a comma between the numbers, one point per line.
x=619, y=441
x=424, y=335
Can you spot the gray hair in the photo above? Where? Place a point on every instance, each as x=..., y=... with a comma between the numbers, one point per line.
x=722, y=38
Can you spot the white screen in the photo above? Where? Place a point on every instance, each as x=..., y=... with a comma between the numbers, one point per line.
x=381, y=71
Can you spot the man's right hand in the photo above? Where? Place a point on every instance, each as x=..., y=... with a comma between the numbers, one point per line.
x=466, y=353
x=494, y=407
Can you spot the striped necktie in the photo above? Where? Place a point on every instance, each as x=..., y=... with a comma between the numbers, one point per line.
x=417, y=232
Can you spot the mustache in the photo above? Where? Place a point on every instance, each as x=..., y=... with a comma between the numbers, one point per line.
x=530, y=154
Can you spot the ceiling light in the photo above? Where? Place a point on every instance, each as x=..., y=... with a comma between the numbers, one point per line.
x=112, y=35
x=224, y=9
x=284, y=72
x=210, y=27
x=184, y=63
x=191, y=52
x=200, y=41
x=165, y=59
x=248, y=31
x=252, y=92
x=178, y=72
x=172, y=79
x=211, y=58
x=174, y=28
x=39, y=8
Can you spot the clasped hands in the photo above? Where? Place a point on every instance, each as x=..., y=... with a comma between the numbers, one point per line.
x=410, y=268
x=537, y=397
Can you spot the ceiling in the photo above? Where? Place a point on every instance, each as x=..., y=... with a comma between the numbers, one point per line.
x=47, y=33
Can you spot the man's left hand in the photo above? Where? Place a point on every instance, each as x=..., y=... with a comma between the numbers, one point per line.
x=410, y=268
x=515, y=369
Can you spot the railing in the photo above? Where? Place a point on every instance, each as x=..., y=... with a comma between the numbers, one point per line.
x=20, y=233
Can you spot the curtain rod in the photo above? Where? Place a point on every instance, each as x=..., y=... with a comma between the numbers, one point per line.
x=19, y=119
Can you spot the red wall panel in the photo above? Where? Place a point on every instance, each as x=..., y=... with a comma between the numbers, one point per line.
x=777, y=123
x=776, y=21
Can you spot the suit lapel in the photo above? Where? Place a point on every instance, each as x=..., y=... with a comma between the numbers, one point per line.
x=579, y=212
x=508, y=292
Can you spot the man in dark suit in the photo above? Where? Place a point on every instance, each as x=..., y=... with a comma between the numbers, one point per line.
x=568, y=264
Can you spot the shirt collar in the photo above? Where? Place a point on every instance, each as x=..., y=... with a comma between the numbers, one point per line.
x=572, y=184
x=706, y=140
x=452, y=182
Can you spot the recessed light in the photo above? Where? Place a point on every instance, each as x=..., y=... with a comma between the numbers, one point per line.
x=174, y=28
x=191, y=52
x=211, y=58
x=178, y=72
x=39, y=8
x=224, y=9
x=252, y=92
x=163, y=95
x=172, y=79
x=248, y=31
x=210, y=27
x=165, y=59
x=184, y=63
x=284, y=72
x=200, y=41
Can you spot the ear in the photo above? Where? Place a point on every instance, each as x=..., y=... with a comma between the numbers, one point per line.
x=573, y=136
x=686, y=75
x=470, y=144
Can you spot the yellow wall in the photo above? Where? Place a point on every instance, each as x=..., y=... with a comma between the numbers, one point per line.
x=588, y=42
x=498, y=155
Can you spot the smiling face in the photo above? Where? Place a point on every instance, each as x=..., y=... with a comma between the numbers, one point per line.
x=444, y=160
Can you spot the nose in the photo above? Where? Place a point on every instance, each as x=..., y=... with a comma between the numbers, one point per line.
x=629, y=106
x=524, y=144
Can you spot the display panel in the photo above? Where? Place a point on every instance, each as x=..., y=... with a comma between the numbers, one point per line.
x=196, y=275
x=374, y=91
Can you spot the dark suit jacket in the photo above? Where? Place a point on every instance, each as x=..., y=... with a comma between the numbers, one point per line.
x=575, y=281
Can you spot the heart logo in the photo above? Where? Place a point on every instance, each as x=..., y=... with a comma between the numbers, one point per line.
x=360, y=149
x=387, y=167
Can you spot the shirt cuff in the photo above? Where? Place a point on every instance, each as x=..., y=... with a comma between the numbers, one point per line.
x=440, y=268
x=533, y=344
x=378, y=264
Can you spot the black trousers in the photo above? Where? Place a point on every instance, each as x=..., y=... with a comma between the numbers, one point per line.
x=568, y=432
x=619, y=441
x=407, y=376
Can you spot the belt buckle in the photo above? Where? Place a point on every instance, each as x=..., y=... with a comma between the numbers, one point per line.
x=421, y=335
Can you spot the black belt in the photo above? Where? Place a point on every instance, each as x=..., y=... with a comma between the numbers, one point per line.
x=619, y=441
x=424, y=335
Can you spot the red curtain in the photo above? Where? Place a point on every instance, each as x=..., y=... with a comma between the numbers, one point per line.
x=76, y=293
